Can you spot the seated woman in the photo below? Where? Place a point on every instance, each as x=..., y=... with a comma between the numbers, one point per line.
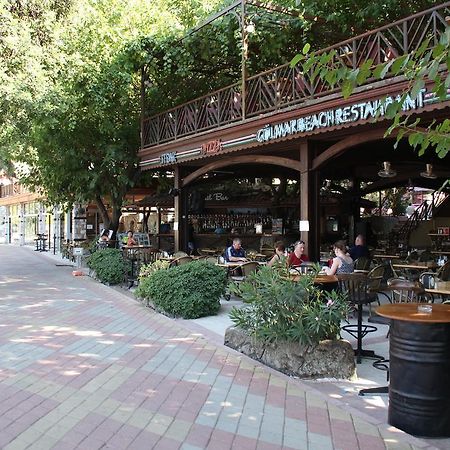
x=279, y=255
x=342, y=263
x=130, y=239
x=298, y=257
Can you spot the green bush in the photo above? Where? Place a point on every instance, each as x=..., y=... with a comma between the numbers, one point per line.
x=285, y=310
x=147, y=269
x=190, y=291
x=108, y=265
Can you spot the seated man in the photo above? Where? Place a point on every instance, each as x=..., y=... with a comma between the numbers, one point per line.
x=359, y=249
x=235, y=252
x=298, y=257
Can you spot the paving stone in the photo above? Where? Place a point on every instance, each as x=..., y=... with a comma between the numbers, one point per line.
x=91, y=368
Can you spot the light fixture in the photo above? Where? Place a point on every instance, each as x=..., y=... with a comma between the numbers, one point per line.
x=250, y=28
x=429, y=172
x=387, y=172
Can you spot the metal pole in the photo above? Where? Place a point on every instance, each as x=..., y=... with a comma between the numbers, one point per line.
x=244, y=55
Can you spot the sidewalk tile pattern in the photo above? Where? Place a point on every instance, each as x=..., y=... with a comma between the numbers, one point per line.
x=83, y=366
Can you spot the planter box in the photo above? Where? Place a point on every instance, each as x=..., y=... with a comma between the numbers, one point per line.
x=328, y=359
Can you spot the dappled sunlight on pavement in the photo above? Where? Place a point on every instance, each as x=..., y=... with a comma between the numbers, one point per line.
x=86, y=366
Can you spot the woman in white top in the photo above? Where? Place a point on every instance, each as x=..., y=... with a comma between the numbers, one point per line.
x=342, y=263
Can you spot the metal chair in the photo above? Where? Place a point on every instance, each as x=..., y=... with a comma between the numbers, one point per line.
x=406, y=291
x=356, y=287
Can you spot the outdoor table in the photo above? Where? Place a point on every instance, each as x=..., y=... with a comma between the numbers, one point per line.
x=419, y=348
x=131, y=252
x=418, y=266
x=440, y=288
x=384, y=256
x=319, y=279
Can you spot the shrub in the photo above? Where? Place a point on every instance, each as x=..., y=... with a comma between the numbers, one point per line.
x=281, y=309
x=190, y=291
x=108, y=265
x=147, y=269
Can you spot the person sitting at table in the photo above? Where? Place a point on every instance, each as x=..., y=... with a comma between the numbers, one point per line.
x=298, y=256
x=359, y=249
x=235, y=252
x=279, y=255
x=130, y=239
x=104, y=236
x=342, y=262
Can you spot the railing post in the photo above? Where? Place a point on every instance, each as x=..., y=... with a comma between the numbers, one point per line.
x=405, y=37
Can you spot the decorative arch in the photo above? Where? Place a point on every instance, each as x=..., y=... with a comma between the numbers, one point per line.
x=245, y=159
x=341, y=146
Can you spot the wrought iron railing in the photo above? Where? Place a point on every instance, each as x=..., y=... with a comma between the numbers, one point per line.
x=284, y=86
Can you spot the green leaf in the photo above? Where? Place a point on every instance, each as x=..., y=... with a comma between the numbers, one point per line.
x=306, y=48
x=295, y=60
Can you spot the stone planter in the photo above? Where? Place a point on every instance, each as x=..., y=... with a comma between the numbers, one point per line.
x=328, y=359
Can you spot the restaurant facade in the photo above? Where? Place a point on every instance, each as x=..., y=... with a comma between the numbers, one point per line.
x=285, y=126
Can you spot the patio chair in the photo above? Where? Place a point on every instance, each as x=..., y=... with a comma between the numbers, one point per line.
x=444, y=272
x=181, y=260
x=211, y=259
x=179, y=254
x=355, y=287
x=246, y=269
x=406, y=291
x=362, y=264
x=425, y=256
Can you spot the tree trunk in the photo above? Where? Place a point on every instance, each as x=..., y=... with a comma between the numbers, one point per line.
x=103, y=212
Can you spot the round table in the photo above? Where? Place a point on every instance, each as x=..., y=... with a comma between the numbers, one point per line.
x=419, y=385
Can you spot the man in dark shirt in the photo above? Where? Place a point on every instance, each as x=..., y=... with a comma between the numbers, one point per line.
x=359, y=249
x=235, y=252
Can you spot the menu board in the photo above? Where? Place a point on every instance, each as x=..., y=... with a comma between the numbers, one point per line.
x=277, y=226
x=79, y=228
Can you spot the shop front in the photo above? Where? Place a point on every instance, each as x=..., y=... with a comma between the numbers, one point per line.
x=310, y=140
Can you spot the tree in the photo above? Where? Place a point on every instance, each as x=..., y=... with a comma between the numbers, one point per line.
x=74, y=136
x=426, y=63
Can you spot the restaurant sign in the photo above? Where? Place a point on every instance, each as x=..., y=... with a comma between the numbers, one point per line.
x=212, y=147
x=337, y=116
x=168, y=158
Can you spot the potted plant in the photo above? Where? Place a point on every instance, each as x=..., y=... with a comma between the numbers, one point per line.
x=292, y=326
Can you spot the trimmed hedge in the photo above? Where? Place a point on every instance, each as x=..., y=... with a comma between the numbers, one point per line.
x=189, y=291
x=109, y=265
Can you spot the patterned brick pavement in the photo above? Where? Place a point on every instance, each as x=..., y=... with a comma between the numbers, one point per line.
x=85, y=366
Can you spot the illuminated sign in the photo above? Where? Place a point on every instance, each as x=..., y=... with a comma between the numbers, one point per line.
x=212, y=147
x=337, y=116
x=168, y=158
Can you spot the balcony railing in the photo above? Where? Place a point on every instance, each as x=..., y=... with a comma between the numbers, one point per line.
x=12, y=189
x=284, y=86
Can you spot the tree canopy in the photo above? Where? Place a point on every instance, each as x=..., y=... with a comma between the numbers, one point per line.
x=70, y=78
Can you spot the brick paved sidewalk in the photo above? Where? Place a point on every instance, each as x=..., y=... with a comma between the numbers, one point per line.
x=84, y=366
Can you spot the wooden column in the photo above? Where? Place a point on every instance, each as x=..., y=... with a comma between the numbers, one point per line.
x=177, y=206
x=180, y=205
x=309, y=201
